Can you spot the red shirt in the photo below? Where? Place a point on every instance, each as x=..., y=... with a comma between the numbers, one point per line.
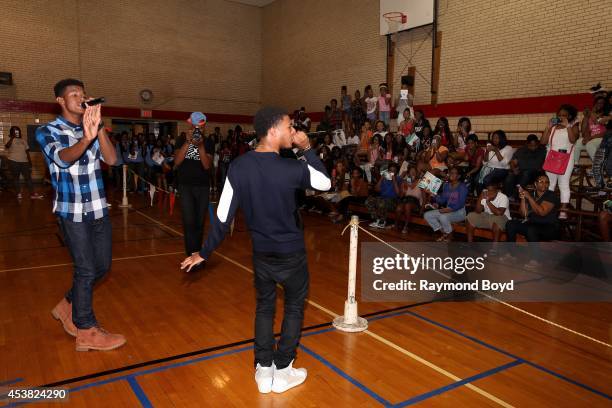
x=473, y=159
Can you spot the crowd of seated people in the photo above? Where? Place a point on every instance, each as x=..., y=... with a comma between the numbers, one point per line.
x=151, y=158
x=378, y=162
x=489, y=177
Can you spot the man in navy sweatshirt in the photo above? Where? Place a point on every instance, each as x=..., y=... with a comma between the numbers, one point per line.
x=263, y=185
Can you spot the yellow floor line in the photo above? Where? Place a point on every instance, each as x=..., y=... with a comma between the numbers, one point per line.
x=368, y=332
x=70, y=263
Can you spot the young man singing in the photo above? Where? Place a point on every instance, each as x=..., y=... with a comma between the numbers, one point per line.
x=73, y=145
x=263, y=184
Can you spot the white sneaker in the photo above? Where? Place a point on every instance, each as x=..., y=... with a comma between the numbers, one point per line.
x=288, y=378
x=382, y=224
x=264, y=377
x=374, y=224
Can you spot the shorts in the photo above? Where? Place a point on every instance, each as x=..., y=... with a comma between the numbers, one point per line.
x=411, y=200
x=486, y=221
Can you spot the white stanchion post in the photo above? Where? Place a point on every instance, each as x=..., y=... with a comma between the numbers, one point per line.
x=124, y=200
x=351, y=322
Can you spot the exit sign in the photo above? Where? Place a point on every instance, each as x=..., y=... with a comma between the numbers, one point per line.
x=146, y=113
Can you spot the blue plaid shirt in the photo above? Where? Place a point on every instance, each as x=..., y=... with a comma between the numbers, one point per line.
x=79, y=190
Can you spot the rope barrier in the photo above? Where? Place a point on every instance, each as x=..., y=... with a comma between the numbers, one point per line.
x=355, y=224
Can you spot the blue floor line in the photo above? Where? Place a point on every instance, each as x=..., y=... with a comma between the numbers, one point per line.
x=140, y=394
x=346, y=376
x=158, y=369
x=9, y=382
x=458, y=384
x=341, y=373
x=489, y=346
x=183, y=363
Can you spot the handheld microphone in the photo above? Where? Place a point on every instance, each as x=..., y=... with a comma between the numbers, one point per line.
x=93, y=102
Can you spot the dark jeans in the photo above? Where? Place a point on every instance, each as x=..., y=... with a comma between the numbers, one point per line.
x=291, y=272
x=194, y=205
x=531, y=231
x=524, y=178
x=90, y=247
x=21, y=168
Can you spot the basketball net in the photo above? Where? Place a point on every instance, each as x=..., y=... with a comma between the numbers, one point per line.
x=394, y=20
x=393, y=26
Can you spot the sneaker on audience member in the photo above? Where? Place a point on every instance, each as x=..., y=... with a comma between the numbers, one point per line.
x=405, y=229
x=264, y=377
x=374, y=224
x=382, y=224
x=288, y=377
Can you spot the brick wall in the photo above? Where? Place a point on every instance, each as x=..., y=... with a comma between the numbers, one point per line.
x=194, y=55
x=490, y=50
x=221, y=56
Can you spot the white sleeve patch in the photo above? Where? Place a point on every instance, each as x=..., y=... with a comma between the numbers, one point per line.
x=318, y=180
x=225, y=201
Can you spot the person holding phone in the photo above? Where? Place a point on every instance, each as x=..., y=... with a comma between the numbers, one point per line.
x=436, y=156
x=496, y=160
x=593, y=129
x=492, y=212
x=20, y=162
x=561, y=135
x=539, y=211
x=193, y=160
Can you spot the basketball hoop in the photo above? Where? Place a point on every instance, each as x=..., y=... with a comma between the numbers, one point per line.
x=394, y=20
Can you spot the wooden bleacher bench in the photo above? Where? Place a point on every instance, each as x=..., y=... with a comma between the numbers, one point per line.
x=418, y=220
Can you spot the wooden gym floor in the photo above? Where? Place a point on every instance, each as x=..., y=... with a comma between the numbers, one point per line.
x=190, y=336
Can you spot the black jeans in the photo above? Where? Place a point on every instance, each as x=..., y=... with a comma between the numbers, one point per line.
x=90, y=247
x=524, y=178
x=21, y=168
x=531, y=231
x=194, y=205
x=291, y=272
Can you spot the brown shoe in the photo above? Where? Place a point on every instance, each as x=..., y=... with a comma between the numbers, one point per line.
x=96, y=338
x=63, y=312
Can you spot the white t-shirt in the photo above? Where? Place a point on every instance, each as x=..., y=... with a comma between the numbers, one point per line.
x=371, y=102
x=501, y=201
x=17, y=151
x=506, y=153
